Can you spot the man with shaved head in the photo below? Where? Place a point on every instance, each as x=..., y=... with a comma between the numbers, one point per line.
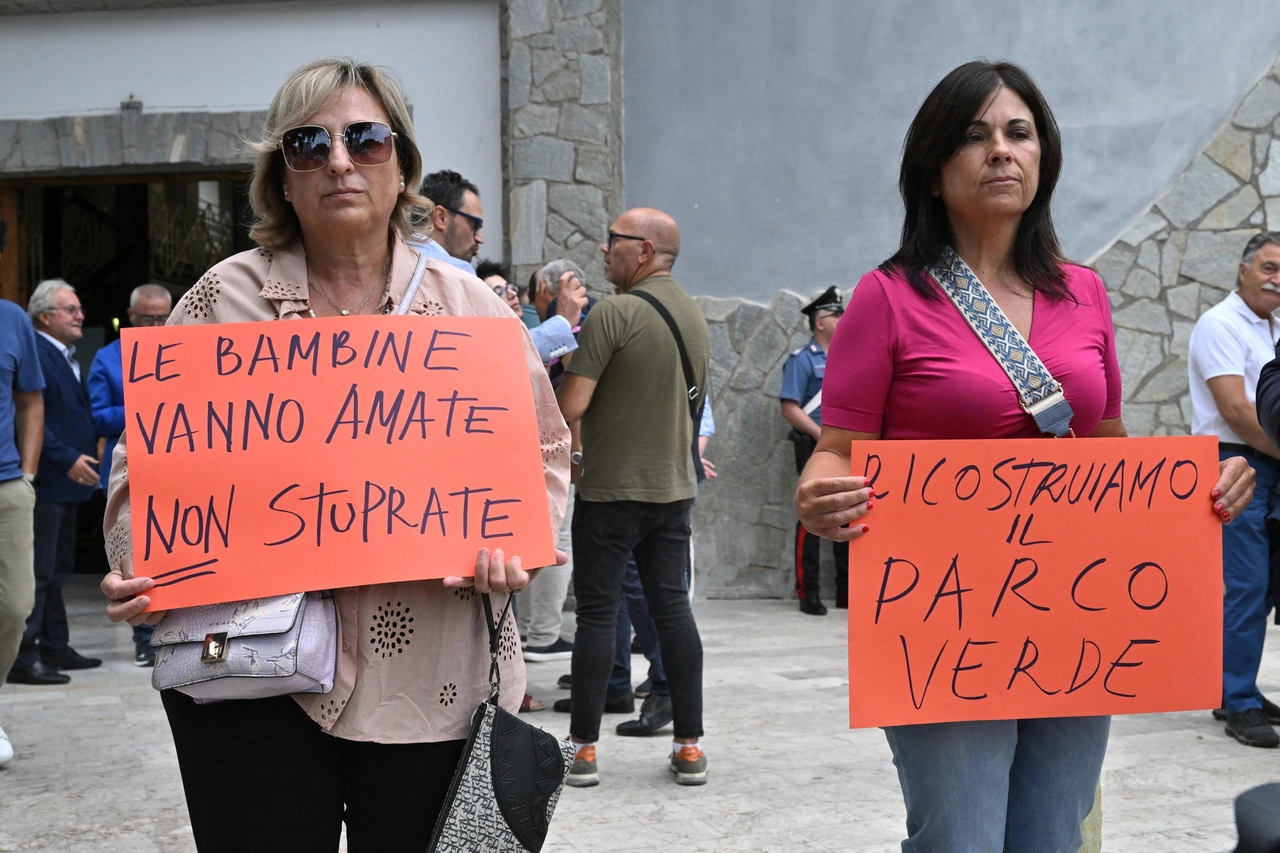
x=637, y=384
x=149, y=305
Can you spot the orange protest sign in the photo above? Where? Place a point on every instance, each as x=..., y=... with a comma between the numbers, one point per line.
x=1012, y=579
x=269, y=458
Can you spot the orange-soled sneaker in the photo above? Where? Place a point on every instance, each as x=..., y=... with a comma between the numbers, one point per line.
x=583, y=773
x=689, y=765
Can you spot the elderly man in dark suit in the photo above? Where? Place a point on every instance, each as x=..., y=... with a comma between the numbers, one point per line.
x=67, y=476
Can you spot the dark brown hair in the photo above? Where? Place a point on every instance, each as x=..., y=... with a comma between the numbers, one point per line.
x=936, y=134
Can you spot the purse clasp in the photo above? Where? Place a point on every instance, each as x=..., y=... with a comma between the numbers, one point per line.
x=215, y=648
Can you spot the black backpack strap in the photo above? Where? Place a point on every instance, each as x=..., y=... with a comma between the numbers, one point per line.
x=691, y=383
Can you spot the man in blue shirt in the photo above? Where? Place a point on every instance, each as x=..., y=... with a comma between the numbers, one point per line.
x=21, y=434
x=801, y=398
x=149, y=305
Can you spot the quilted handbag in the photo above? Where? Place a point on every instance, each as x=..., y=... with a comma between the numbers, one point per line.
x=248, y=649
x=508, y=779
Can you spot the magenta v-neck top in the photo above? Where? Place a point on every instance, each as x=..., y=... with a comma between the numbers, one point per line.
x=910, y=367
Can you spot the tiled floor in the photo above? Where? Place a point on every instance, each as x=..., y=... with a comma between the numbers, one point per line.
x=95, y=769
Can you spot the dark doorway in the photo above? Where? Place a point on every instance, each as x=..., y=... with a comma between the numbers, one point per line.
x=105, y=239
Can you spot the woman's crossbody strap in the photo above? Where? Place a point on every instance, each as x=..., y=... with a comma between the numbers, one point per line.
x=412, y=290
x=1039, y=393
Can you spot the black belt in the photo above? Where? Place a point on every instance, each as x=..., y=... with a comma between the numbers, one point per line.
x=1242, y=449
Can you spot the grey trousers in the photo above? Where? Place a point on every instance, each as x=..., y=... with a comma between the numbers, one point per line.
x=17, y=565
x=540, y=605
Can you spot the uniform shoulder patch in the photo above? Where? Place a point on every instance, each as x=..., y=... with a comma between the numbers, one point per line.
x=798, y=351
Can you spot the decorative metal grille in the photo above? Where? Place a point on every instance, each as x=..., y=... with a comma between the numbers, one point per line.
x=186, y=241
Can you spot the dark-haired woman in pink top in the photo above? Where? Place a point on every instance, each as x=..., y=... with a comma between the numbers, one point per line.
x=979, y=166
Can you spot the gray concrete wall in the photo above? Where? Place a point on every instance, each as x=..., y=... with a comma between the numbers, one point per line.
x=771, y=129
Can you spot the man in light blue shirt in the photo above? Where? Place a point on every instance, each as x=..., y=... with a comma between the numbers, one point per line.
x=457, y=233
x=457, y=220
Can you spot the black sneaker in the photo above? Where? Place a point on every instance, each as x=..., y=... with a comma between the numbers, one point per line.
x=655, y=714
x=144, y=654
x=561, y=649
x=1271, y=709
x=565, y=681
x=1251, y=728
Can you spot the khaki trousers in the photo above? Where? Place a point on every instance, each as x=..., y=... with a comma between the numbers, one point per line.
x=540, y=605
x=17, y=565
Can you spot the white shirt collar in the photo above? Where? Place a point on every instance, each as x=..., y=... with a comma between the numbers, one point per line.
x=1242, y=308
x=66, y=348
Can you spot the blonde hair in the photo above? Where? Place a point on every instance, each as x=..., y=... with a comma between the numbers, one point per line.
x=303, y=95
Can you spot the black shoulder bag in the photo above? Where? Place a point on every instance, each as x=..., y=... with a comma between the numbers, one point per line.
x=508, y=778
x=696, y=400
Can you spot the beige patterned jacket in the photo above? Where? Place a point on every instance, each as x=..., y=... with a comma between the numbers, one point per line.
x=423, y=686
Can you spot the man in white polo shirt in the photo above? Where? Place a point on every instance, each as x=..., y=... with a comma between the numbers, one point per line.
x=1229, y=345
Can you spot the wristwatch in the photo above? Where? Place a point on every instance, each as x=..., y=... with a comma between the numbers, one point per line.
x=576, y=457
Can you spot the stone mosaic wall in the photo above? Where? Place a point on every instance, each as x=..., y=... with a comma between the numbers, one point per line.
x=1181, y=257
x=562, y=130
x=744, y=520
x=130, y=141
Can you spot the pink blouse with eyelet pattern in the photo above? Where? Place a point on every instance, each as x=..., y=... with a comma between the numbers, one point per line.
x=910, y=367
x=424, y=685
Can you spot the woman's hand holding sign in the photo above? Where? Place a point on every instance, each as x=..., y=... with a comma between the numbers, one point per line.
x=1234, y=489
x=494, y=573
x=125, y=594
x=829, y=502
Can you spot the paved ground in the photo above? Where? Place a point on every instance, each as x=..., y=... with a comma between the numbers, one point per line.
x=95, y=769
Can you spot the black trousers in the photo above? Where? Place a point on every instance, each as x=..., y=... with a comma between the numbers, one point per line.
x=807, y=567
x=807, y=546
x=605, y=535
x=260, y=775
x=47, y=632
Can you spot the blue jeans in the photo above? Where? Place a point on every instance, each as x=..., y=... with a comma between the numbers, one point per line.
x=1246, y=561
x=634, y=611
x=1018, y=786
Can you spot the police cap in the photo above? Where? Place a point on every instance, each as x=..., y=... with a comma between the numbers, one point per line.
x=830, y=300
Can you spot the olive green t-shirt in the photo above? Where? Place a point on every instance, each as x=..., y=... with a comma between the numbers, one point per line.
x=637, y=434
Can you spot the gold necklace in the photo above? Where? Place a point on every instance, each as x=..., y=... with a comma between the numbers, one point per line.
x=347, y=311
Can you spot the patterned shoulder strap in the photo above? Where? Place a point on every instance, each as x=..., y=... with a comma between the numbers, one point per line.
x=1039, y=393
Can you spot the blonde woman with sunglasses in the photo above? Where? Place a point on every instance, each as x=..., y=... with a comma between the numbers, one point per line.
x=334, y=195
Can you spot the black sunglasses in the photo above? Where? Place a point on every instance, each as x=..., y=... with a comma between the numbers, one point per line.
x=476, y=222
x=307, y=148
x=614, y=235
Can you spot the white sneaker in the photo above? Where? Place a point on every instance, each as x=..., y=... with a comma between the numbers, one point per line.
x=6, y=749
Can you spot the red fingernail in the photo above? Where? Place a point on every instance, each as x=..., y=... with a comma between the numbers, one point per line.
x=865, y=528
x=1217, y=493
x=1226, y=514
x=868, y=505
x=1218, y=507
